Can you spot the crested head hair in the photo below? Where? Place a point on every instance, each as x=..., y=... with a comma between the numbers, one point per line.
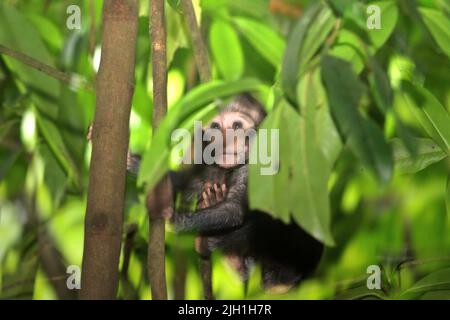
x=249, y=106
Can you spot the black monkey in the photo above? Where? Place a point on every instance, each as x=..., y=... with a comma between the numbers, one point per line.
x=286, y=253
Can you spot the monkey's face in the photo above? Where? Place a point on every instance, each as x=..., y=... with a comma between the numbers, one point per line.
x=236, y=130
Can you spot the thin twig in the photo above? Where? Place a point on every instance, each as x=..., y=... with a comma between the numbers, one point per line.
x=198, y=44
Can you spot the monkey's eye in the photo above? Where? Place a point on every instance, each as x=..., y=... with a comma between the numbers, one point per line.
x=237, y=125
x=215, y=125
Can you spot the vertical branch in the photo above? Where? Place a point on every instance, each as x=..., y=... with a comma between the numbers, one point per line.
x=204, y=69
x=198, y=44
x=105, y=204
x=156, y=244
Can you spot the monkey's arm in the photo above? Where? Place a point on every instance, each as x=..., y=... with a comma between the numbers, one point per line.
x=226, y=214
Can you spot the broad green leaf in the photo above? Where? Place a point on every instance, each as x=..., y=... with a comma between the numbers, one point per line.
x=380, y=86
x=349, y=46
x=317, y=34
x=298, y=190
x=439, y=25
x=17, y=33
x=262, y=188
x=311, y=94
x=436, y=295
x=53, y=137
x=292, y=59
x=226, y=50
x=431, y=114
x=54, y=177
x=361, y=293
x=388, y=16
x=254, y=8
x=49, y=32
x=364, y=137
x=437, y=280
x=310, y=202
x=428, y=152
x=155, y=161
x=266, y=41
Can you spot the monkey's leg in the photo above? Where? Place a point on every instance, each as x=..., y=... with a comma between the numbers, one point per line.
x=205, y=265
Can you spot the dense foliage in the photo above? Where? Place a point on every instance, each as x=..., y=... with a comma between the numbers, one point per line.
x=364, y=120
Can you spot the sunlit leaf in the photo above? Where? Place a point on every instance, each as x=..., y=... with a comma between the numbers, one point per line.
x=439, y=25
x=348, y=46
x=264, y=39
x=226, y=50
x=388, y=17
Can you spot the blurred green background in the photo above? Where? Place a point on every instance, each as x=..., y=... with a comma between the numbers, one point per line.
x=388, y=203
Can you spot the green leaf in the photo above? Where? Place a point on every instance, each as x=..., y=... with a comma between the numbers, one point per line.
x=389, y=15
x=155, y=161
x=56, y=143
x=311, y=94
x=364, y=137
x=380, y=86
x=17, y=33
x=50, y=33
x=439, y=25
x=349, y=47
x=428, y=152
x=447, y=196
x=431, y=114
x=317, y=34
x=436, y=295
x=226, y=50
x=291, y=61
x=361, y=293
x=437, y=280
x=266, y=41
x=54, y=176
x=299, y=189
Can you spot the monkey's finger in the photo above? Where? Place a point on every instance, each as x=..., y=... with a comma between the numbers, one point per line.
x=218, y=192
x=206, y=186
x=224, y=189
x=211, y=196
x=206, y=202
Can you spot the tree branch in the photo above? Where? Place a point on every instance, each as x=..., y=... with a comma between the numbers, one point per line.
x=42, y=67
x=156, y=243
x=198, y=44
x=105, y=204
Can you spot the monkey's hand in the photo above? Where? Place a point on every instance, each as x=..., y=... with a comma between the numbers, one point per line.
x=159, y=200
x=212, y=195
